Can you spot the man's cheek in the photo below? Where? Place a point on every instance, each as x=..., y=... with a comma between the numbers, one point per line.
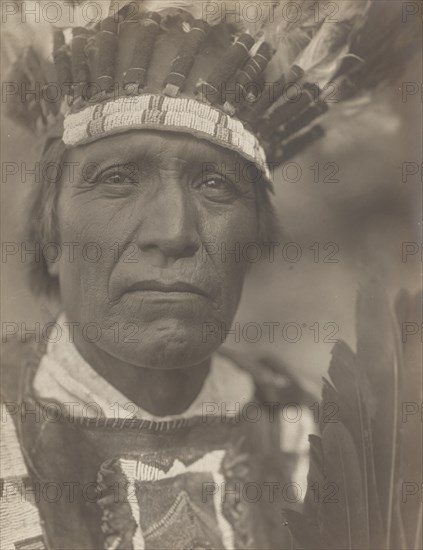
x=88, y=241
x=231, y=274
x=84, y=277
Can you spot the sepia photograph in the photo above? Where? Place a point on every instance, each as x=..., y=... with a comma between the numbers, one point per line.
x=211, y=275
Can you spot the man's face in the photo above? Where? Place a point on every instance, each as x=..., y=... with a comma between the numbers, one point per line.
x=139, y=211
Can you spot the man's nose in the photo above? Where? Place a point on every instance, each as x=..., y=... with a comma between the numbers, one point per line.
x=169, y=228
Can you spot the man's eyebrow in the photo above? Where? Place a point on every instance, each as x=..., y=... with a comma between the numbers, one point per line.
x=121, y=157
x=203, y=153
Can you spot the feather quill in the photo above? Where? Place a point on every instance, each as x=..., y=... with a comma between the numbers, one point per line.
x=369, y=453
x=323, y=56
x=352, y=413
x=344, y=512
x=211, y=11
x=381, y=47
x=379, y=363
x=409, y=314
x=82, y=13
x=289, y=33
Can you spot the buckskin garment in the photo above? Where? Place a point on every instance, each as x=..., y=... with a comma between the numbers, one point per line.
x=215, y=480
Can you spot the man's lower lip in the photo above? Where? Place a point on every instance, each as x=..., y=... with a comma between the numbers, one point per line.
x=166, y=296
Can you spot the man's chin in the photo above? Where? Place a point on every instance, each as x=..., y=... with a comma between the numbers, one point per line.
x=164, y=349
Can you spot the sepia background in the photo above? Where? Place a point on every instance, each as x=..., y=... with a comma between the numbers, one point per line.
x=362, y=201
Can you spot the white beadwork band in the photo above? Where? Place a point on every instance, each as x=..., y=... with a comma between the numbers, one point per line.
x=159, y=112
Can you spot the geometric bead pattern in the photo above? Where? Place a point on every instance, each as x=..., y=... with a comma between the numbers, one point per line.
x=155, y=111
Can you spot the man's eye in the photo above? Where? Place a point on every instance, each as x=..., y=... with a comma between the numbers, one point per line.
x=217, y=188
x=214, y=183
x=117, y=178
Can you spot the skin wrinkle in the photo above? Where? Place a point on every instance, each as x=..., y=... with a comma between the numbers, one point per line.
x=173, y=175
x=193, y=277
x=169, y=212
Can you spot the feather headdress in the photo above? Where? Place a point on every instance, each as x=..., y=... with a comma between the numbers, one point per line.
x=365, y=473
x=241, y=59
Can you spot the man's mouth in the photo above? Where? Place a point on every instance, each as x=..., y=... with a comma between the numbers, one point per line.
x=168, y=288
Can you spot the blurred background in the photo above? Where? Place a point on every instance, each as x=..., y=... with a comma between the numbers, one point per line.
x=349, y=203
x=364, y=203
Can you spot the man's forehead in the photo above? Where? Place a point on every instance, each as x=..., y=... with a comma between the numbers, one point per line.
x=182, y=149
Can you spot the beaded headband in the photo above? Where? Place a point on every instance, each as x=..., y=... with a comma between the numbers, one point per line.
x=157, y=112
x=172, y=66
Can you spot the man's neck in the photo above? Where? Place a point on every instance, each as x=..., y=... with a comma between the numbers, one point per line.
x=159, y=392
